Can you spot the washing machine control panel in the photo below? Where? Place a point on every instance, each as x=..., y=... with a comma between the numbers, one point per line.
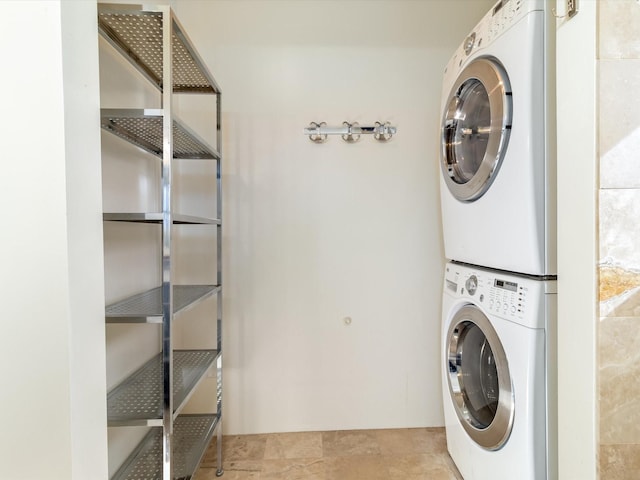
x=507, y=298
x=500, y=294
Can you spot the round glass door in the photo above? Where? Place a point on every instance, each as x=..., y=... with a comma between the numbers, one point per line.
x=479, y=380
x=475, y=129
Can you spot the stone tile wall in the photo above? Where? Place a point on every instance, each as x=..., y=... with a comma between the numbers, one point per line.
x=619, y=230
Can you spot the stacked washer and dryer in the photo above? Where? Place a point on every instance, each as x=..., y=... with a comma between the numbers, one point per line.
x=498, y=214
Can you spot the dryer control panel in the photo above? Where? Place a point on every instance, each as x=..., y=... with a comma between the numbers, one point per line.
x=516, y=298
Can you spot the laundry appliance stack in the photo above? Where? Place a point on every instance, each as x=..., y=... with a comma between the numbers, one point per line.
x=497, y=189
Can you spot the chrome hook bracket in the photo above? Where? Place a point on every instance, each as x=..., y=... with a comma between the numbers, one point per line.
x=317, y=137
x=350, y=136
x=383, y=131
x=350, y=132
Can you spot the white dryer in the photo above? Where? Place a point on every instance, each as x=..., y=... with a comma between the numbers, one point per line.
x=498, y=377
x=497, y=157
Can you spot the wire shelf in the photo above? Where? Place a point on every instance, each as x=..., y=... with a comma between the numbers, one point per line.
x=143, y=128
x=191, y=436
x=146, y=307
x=138, y=400
x=138, y=35
x=153, y=217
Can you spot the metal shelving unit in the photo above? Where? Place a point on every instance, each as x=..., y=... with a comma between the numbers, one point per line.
x=154, y=42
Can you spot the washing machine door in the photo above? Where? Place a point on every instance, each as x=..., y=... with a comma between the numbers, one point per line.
x=475, y=128
x=479, y=380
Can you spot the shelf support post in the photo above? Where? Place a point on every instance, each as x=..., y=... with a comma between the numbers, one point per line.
x=220, y=470
x=167, y=290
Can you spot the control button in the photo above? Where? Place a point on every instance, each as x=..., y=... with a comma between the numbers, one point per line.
x=481, y=298
x=498, y=305
x=513, y=309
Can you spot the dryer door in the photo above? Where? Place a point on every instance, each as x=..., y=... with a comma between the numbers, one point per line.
x=479, y=380
x=475, y=128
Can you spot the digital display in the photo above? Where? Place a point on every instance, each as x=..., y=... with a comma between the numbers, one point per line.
x=511, y=286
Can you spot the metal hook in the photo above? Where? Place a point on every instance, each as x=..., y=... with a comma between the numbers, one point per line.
x=383, y=132
x=317, y=137
x=350, y=137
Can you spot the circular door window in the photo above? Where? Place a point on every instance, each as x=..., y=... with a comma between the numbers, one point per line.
x=479, y=380
x=475, y=129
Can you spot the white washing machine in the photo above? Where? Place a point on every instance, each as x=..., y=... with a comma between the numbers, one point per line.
x=499, y=380
x=497, y=157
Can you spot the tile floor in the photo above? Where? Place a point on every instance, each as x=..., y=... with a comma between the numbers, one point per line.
x=396, y=454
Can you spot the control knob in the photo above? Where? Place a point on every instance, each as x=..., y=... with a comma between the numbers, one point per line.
x=469, y=43
x=472, y=284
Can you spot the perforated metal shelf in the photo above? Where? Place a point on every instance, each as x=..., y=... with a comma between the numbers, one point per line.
x=157, y=218
x=136, y=31
x=146, y=307
x=192, y=434
x=138, y=400
x=143, y=128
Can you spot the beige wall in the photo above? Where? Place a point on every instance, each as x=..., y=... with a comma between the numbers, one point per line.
x=619, y=342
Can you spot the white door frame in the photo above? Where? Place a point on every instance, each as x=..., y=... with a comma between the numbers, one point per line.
x=577, y=242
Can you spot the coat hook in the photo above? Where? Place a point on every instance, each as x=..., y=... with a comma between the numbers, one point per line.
x=350, y=132
x=350, y=137
x=317, y=137
x=383, y=132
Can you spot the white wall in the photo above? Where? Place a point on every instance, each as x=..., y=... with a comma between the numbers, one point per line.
x=316, y=233
x=84, y=239
x=52, y=348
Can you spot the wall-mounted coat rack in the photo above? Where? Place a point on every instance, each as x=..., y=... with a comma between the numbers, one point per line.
x=350, y=132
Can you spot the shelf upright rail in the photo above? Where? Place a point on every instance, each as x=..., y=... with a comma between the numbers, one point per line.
x=167, y=290
x=219, y=471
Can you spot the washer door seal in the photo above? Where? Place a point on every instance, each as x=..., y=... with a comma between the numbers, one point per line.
x=479, y=380
x=475, y=128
